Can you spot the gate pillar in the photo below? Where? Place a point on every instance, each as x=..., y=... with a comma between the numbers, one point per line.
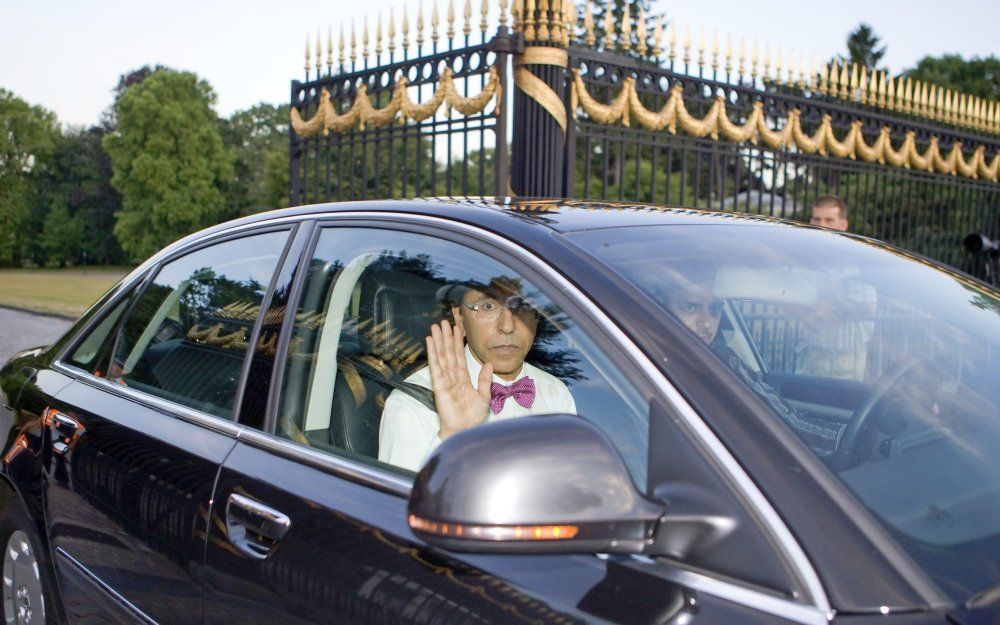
x=539, y=137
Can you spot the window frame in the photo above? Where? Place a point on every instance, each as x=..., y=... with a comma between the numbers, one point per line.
x=136, y=287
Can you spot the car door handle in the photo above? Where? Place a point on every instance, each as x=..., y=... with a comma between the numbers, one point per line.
x=65, y=425
x=253, y=528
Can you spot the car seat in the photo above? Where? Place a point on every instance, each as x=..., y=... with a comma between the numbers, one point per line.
x=395, y=312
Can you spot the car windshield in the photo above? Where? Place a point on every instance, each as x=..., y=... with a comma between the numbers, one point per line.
x=884, y=365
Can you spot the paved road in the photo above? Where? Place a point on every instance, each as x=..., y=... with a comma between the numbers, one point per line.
x=19, y=330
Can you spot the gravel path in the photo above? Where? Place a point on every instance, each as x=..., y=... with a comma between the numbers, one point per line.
x=20, y=330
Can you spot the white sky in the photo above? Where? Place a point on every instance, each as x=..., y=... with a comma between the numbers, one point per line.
x=66, y=55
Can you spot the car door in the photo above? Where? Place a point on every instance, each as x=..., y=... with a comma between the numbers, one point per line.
x=136, y=442
x=309, y=526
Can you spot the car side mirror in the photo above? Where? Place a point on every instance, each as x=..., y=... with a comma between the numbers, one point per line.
x=549, y=484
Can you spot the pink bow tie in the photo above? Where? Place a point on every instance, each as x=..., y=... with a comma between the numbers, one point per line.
x=523, y=392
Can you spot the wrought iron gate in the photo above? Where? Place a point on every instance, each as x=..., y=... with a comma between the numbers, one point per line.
x=632, y=116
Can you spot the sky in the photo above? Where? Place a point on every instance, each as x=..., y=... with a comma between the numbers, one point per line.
x=67, y=55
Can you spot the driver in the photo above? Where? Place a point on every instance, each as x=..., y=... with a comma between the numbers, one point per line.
x=692, y=301
x=477, y=371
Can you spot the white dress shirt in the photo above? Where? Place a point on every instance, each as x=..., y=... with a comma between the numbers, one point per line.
x=409, y=430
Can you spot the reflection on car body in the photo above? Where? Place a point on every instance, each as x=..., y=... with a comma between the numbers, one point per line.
x=203, y=444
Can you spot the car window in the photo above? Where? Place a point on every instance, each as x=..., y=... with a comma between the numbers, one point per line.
x=357, y=382
x=186, y=337
x=95, y=344
x=884, y=366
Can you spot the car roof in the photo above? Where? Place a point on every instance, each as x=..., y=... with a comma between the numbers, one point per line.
x=510, y=214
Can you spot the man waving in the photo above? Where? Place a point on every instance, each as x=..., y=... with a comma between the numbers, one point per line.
x=477, y=371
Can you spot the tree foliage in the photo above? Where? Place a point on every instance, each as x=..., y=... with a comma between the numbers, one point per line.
x=28, y=135
x=258, y=139
x=863, y=48
x=168, y=159
x=976, y=76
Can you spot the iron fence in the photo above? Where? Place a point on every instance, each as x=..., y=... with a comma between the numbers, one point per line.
x=625, y=117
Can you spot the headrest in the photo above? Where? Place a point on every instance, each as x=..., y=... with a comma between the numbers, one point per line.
x=395, y=312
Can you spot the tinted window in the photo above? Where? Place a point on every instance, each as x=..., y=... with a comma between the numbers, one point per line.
x=886, y=367
x=186, y=338
x=357, y=374
x=88, y=354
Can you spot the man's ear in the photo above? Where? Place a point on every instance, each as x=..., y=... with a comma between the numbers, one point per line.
x=456, y=315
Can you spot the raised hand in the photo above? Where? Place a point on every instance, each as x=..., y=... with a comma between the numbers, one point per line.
x=459, y=404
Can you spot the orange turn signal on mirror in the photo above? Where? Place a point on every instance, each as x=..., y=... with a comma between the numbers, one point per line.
x=494, y=532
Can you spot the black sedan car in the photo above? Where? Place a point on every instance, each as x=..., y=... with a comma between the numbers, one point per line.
x=671, y=416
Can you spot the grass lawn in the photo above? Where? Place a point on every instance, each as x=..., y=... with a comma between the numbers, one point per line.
x=66, y=292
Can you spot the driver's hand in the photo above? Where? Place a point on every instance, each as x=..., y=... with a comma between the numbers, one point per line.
x=459, y=404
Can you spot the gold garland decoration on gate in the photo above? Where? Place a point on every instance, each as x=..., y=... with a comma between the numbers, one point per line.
x=627, y=108
x=362, y=114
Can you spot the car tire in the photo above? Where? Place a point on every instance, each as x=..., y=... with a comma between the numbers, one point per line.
x=25, y=589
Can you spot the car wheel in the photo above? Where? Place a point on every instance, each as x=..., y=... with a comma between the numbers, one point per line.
x=25, y=593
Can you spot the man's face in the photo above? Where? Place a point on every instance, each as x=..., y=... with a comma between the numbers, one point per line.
x=697, y=308
x=503, y=341
x=828, y=216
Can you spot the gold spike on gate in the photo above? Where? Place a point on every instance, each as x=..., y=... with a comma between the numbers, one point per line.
x=449, y=31
x=845, y=82
x=529, y=20
x=673, y=41
x=542, y=21
x=715, y=51
x=435, y=23
x=405, y=27
x=741, y=68
x=729, y=54
x=378, y=37
x=308, y=66
x=609, y=31
x=588, y=25
x=863, y=85
x=354, y=44
x=625, y=40
x=319, y=53
x=555, y=21
x=484, y=10
x=853, y=85
x=569, y=17
x=503, y=14
x=640, y=34
x=341, y=58
x=517, y=15
x=754, y=60
x=420, y=25
x=701, y=49
x=658, y=37
x=364, y=39
x=329, y=49
x=392, y=32
x=686, y=44
x=779, y=66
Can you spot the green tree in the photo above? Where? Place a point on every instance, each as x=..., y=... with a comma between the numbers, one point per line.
x=863, y=48
x=258, y=139
x=976, y=76
x=62, y=235
x=168, y=159
x=81, y=180
x=28, y=135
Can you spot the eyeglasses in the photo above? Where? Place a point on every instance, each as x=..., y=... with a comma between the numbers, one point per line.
x=491, y=309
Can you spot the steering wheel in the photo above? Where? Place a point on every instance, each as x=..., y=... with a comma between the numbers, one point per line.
x=847, y=454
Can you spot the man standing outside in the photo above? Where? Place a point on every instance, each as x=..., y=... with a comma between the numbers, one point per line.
x=830, y=211
x=837, y=328
x=477, y=371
